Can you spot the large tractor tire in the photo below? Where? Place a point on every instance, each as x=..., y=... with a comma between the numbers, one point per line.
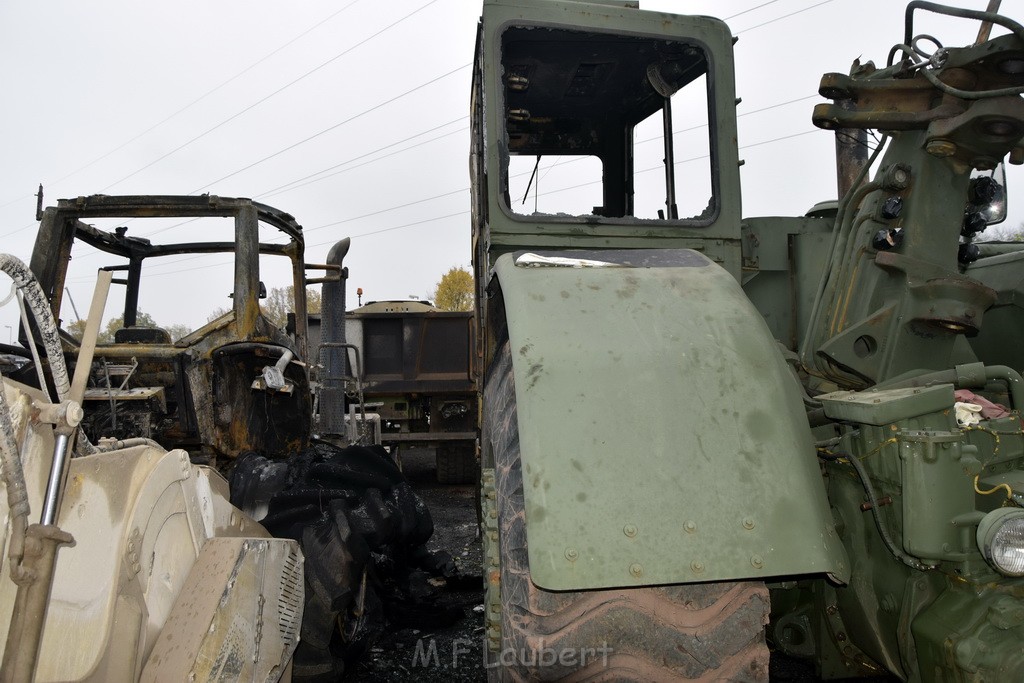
x=706, y=632
x=456, y=463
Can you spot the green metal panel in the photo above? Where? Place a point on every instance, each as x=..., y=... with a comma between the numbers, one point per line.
x=885, y=406
x=663, y=437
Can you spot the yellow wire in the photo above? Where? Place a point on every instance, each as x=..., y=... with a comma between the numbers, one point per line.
x=879, y=447
x=1009, y=491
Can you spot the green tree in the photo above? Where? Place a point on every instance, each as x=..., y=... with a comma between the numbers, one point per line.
x=454, y=292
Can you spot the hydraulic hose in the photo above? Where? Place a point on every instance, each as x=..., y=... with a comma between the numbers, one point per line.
x=876, y=513
x=879, y=523
x=40, y=307
x=106, y=447
x=969, y=376
x=847, y=208
x=17, y=491
x=960, y=13
x=13, y=474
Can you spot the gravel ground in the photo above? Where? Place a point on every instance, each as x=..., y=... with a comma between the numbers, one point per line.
x=454, y=653
x=446, y=654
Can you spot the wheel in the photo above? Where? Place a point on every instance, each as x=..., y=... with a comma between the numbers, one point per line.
x=710, y=631
x=456, y=464
x=362, y=530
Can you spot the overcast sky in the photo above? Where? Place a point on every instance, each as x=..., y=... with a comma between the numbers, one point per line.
x=352, y=116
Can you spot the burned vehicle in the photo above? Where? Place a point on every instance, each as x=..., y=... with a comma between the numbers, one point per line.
x=233, y=385
x=233, y=396
x=123, y=560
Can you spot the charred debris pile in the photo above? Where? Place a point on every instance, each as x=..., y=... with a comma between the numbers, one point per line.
x=363, y=532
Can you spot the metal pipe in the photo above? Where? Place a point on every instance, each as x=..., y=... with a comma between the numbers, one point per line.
x=284, y=360
x=986, y=26
x=92, y=328
x=358, y=377
x=851, y=153
x=21, y=651
x=333, y=339
x=969, y=376
x=51, y=502
x=670, y=162
x=112, y=445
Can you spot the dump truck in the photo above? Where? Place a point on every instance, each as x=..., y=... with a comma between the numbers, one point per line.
x=412, y=365
x=703, y=432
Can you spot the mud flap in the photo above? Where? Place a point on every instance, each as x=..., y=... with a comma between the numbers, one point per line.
x=663, y=438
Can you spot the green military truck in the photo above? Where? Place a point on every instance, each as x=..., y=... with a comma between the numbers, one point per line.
x=702, y=431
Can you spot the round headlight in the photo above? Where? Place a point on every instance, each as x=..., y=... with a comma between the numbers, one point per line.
x=1001, y=540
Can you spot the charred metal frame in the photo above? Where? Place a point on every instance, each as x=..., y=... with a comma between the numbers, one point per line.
x=208, y=374
x=62, y=225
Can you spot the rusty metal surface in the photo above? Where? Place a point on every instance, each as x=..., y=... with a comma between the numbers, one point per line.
x=210, y=406
x=415, y=352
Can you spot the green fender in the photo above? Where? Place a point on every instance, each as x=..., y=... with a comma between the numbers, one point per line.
x=663, y=437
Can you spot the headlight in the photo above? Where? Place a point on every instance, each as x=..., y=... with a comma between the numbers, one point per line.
x=1001, y=540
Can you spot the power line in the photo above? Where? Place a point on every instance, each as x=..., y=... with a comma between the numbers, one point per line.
x=295, y=184
x=396, y=227
x=391, y=208
x=17, y=199
x=267, y=97
x=213, y=90
x=195, y=101
x=311, y=178
x=368, y=162
x=14, y=232
x=287, y=186
x=330, y=128
x=784, y=16
x=763, y=4
x=561, y=160
x=316, y=135
x=452, y=215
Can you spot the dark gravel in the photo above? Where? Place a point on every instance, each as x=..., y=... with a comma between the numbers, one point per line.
x=455, y=653
x=421, y=652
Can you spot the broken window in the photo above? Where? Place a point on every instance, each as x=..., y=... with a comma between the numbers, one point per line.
x=606, y=126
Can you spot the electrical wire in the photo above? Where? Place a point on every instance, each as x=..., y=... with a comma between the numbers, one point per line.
x=195, y=101
x=883, y=531
x=281, y=189
x=784, y=16
x=739, y=14
x=309, y=73
x=330, y=128
x=211, y=91
x=288, y=185
x=152, y=272
x=271, y=95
